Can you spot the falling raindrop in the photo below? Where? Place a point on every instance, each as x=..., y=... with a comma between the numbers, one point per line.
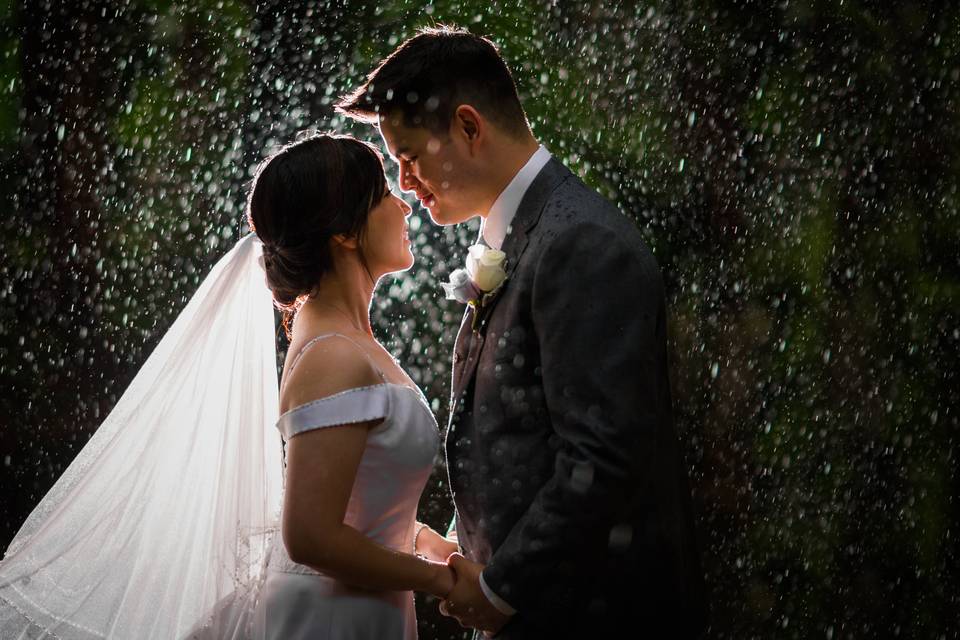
x=791, y=165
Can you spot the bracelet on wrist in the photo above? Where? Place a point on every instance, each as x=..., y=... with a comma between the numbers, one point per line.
x=420, y=527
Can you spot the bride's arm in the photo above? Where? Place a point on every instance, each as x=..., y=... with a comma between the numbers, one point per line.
x=321, y=468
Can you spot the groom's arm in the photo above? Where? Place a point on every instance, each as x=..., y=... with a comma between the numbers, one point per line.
x=599, y=317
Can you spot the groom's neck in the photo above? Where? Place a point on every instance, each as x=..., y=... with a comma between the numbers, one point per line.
x=507, y=156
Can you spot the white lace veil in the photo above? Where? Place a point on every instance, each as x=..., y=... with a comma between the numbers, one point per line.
x=161, y=525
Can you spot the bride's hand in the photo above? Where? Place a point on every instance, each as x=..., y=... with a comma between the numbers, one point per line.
x=432, y=546
x=443, y=547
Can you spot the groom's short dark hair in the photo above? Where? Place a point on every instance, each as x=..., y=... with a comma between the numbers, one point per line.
x=429, y=75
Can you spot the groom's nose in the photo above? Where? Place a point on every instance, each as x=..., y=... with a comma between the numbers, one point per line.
x=408, y=181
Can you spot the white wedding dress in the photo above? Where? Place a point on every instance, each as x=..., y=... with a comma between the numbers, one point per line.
x=301, y=604
x=166, y=524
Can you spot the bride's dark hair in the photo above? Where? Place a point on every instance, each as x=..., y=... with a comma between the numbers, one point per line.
x=304, y=194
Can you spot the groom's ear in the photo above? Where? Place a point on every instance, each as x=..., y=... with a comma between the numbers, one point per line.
x=469, y=124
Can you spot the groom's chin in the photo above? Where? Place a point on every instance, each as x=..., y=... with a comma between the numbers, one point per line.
x=444, y=218
x=441, y=221
x=438, y=218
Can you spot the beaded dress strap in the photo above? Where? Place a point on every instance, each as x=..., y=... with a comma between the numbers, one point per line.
x=313, y=341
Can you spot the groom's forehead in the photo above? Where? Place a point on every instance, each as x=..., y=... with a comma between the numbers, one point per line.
x=398, y=137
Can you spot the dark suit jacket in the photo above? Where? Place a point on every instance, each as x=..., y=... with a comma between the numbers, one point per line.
x=562, y=456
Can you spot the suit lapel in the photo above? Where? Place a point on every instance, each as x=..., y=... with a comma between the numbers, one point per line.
x=460, y=349
x=470, y=343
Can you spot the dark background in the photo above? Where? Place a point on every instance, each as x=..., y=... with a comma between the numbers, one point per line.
x=793, y=164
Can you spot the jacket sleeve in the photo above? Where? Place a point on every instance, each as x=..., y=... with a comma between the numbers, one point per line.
x=598, y=313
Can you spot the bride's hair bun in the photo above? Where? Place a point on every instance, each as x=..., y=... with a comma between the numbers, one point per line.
x=304, y=194
x=290, y=275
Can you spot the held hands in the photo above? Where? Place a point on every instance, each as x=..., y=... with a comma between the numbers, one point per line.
x=434, y=548
x=443, y=580
x=467, y=602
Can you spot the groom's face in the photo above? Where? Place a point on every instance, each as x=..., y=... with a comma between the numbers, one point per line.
x=434, y=167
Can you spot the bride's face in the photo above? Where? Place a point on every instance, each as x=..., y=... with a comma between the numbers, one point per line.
x=386, y=239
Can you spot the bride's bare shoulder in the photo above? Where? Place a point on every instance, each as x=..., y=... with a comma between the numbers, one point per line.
x=322, y=366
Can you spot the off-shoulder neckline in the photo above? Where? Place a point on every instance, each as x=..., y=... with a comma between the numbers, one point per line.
x=416, y=390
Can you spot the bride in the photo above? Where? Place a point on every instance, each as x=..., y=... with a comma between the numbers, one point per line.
x=166, y=525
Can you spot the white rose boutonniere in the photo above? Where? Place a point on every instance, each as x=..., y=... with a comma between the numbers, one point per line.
x=485, y=267
x=480, y=280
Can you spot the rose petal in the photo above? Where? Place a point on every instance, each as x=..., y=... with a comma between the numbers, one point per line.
x=487, y=278
x=473, y=264
x=476, y=251
x=493, y=257
x=459, y=277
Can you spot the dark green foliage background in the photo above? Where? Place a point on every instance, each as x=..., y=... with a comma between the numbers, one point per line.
x=793, y=164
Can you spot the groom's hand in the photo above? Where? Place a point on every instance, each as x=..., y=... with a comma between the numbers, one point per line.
x=466, y=601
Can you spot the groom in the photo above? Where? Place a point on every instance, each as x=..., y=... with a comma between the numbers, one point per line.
x=573, y=509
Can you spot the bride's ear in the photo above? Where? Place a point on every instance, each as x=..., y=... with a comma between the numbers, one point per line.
x=345, y=241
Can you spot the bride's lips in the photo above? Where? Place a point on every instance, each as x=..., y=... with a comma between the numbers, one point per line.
x=427, y=200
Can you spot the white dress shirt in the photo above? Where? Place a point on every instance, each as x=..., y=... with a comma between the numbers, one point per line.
x=493, y=230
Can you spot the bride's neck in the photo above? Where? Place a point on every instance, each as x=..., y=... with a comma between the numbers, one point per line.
x=342, y=300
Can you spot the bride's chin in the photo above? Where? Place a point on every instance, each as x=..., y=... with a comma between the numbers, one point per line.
x=405, y=266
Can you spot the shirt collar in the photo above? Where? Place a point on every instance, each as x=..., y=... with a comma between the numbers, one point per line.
x=496, y=225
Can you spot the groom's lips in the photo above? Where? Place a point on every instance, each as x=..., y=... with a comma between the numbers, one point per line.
x=426, y=199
